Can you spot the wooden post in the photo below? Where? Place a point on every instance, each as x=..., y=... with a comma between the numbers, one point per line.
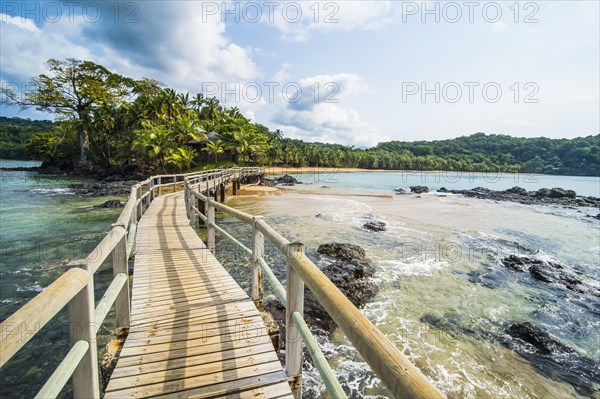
x=258, y=251
x=222, y=192
x=120, y=265
x=234, y=187
x=139, y=206
x=188, y=204
x=86, y=383
x=174, y=184
x=210, y=230
x=159, y=185
x=238, y=184
x=150, y=188
x=295, y=303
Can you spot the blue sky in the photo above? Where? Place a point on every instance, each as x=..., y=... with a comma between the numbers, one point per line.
x=360, y=73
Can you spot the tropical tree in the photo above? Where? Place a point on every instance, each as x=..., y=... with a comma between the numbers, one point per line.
x=73, y=89
x=182, y=157
x=215, y=148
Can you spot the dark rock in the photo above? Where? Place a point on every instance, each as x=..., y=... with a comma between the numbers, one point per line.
x=110, y=204
x=543, y=196
x=348, y=269
x=443, y=190
x=374, y=226
x=561, y=193
x=103, y=189
x=345, y=253
x=540, y=340
x=516, y=190
x=542, y=192
x=287, y=180
x=517, y=264
x=400, y=191
x=419, y=189
x=549, y=272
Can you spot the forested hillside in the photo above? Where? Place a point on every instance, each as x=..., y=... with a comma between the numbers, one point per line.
x=14, y=134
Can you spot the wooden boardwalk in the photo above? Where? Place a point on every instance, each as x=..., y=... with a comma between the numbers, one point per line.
x=194, y=331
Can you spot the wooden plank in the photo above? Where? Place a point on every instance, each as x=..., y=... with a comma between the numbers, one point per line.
x=229, y=389
x=188, y=360
x=167, y=372
x=138, y=358
x=204, y=384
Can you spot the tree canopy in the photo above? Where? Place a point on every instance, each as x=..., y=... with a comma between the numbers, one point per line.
x=110, y=121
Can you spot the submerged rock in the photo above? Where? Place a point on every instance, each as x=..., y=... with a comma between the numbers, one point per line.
x=548, y=272
x=110, y=204
x=374, y=225
x=536, y=337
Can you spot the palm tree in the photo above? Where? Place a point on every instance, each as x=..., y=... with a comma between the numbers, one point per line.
x=213, y=110
x=215, y=148
x=153, y=141
x=246, y=144
x=198, y=102
x=182, y=158
x=186, y=129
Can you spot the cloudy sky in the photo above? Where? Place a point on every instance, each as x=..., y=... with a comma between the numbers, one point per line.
x=350, y=72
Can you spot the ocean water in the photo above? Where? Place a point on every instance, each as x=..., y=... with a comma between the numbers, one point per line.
x=444, y=296
x=384, y=182
x=43, y=225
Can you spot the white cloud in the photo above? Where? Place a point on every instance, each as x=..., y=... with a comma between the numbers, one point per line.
x=26, y=47
x=171, y=42
x=320, y=117
x=298, y=20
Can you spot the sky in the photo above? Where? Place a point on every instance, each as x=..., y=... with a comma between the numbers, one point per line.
x=349, y=72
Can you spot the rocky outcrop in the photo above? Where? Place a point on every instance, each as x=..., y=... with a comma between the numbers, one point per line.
x=374, y=225
x=543, y=196
x=286, y=180
x=347, y=266
x=103, y=189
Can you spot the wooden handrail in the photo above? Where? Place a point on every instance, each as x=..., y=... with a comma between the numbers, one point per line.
x=22, y=325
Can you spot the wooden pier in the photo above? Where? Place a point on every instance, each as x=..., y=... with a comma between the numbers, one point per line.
x=192, y=332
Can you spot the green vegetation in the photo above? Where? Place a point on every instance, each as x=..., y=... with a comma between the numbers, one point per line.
x=110, y=121
x=14, y=134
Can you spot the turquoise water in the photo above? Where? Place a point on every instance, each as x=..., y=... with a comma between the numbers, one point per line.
x=444, y=296
x=387, y=181
x=43, y=225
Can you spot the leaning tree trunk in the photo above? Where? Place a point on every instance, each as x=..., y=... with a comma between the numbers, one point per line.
x=83, y=141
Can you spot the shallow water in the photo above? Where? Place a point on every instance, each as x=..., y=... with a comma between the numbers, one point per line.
x=43, y=225
x=444, y=296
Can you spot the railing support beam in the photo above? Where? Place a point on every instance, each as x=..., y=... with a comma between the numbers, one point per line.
x=82, y=327
x=258, y=252
x=295, y=303
x=122, y=303
x=210, y=230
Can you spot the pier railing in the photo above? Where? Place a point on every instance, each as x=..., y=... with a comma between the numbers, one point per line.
x=75, y=289
x=394, y=369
